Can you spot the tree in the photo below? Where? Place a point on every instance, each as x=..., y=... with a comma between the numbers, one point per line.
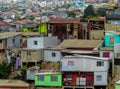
x=5, y=70
x=89, y=12
x=71, y=13
x=101, y=11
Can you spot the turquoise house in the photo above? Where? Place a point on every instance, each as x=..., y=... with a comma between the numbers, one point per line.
x=117, y=85
x=111, y=38
x=48, y=79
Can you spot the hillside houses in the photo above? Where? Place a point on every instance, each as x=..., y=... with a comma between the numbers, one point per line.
x=50, y=49
x=50, y=56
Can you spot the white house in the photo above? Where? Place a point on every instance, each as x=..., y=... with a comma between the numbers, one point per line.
x=42, y=42
x=52, y=54
x=97, y=65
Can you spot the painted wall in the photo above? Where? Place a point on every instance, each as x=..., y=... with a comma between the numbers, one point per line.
x=117, y=86
x=108, y=36
x=103, y=80
x=83, y=64
x=49, y=57
x=42, y=28
x=40, y=42
x=47, y=80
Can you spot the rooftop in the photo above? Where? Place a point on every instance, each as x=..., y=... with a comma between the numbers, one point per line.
x=74, y=43
x=9, y=34
x=64, y=20
x=13, y=83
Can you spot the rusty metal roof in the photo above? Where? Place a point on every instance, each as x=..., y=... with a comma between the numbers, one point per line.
x=64, y=20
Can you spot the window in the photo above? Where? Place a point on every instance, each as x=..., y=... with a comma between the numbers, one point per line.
x=53, y=54
x=13, y=40
x=70, y=63
x=20, y=40
x=69, y=77
x=99, y=78
x=35, y=42
x=100, y=63
x=41, y=77
x=0, y=41
x=111, y=40
x=54, y=78
x=106, y=54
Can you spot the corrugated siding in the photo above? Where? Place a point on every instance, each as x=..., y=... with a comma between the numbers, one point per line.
x=83, y=64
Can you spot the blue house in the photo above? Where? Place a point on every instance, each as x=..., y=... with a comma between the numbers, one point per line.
x=111, y=38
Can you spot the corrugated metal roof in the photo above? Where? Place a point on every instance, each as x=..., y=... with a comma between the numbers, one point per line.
x=85, y=56
x=45, y=73
x=13, y=83
x=2, y=23
x=74, y=43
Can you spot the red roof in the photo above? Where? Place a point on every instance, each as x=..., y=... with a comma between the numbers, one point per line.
x=3, y=23
x=64, y=20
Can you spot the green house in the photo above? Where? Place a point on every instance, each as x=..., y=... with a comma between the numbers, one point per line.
x=111, y=38
x=117, y=85
x=48, y=79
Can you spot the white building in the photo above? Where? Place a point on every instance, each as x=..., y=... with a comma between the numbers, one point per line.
x=42, y=42
x=97, y=65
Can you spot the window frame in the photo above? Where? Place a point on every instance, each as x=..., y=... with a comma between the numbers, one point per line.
x=100, y=63
x=54, y=78
x=70, y=63
x=41, y=78
x=53, y=54
x=69, y=76
x=35, y=42
x=106, y=53
x=98, y=77
x=111, y=40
